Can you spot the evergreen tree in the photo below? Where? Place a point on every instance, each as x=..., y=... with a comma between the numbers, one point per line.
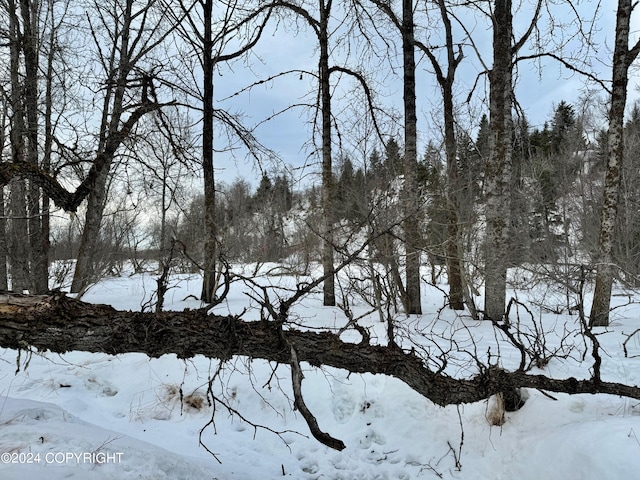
x=540, y=141
x=281, y=197
x=351, y=194
x=360, y=194
x=392, y=166
x=272, y=200
x=553, y=166
x=374, y=171
x=374, y=163
x=263, y=192
x=563, y=126
x=483, y=138
x=431, y=181
x=344, y=187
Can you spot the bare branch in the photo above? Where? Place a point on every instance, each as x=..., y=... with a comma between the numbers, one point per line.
x=520, y=43
x=296, y=380
x=567, y=65
x=367, y=91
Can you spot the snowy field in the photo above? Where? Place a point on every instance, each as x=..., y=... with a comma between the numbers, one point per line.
x=92, y=416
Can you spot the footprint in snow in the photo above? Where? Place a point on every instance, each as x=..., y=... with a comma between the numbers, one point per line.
x=342, y=404
x=103, y=388
x=371, y=437
x=309, y=465
x=577, y=405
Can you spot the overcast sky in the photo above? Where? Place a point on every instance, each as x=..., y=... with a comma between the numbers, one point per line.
x=289, y=134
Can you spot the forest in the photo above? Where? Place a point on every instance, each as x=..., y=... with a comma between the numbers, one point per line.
x=419, y=170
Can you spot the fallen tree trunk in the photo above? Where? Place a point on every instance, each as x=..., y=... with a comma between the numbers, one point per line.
x=60, y=324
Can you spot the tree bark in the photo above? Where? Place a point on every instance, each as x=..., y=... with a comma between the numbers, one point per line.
x=19, y=233
x=498, y=168
x=45, y=222
x=622, y=59
x=84, y=272
x=329, y=288
x=18, y=238
x=38, y=269
x=3, y=244
x=410, y=190
x=3, y=222
x=210, y=250
x=456, y=292
x=60, y=324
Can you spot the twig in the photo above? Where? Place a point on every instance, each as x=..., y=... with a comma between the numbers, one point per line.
x=624, y=344
x=296, y=379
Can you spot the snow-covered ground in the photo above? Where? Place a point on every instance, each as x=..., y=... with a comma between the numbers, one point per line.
x=92, y=416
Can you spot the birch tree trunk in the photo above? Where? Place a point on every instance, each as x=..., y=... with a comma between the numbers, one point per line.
x=622, y=59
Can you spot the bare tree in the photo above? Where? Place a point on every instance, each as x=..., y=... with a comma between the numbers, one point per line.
x=52, y=47
x=320, y=25
x=623, y=57
x=209, y=265
x=446, y=80
x=627, y=248
x=208, y=32
x=128, y=24
x=410, y=196
x=19, y=232
x=410, y=190
x=28, y=42
x=31, y=37
x=498, y=175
